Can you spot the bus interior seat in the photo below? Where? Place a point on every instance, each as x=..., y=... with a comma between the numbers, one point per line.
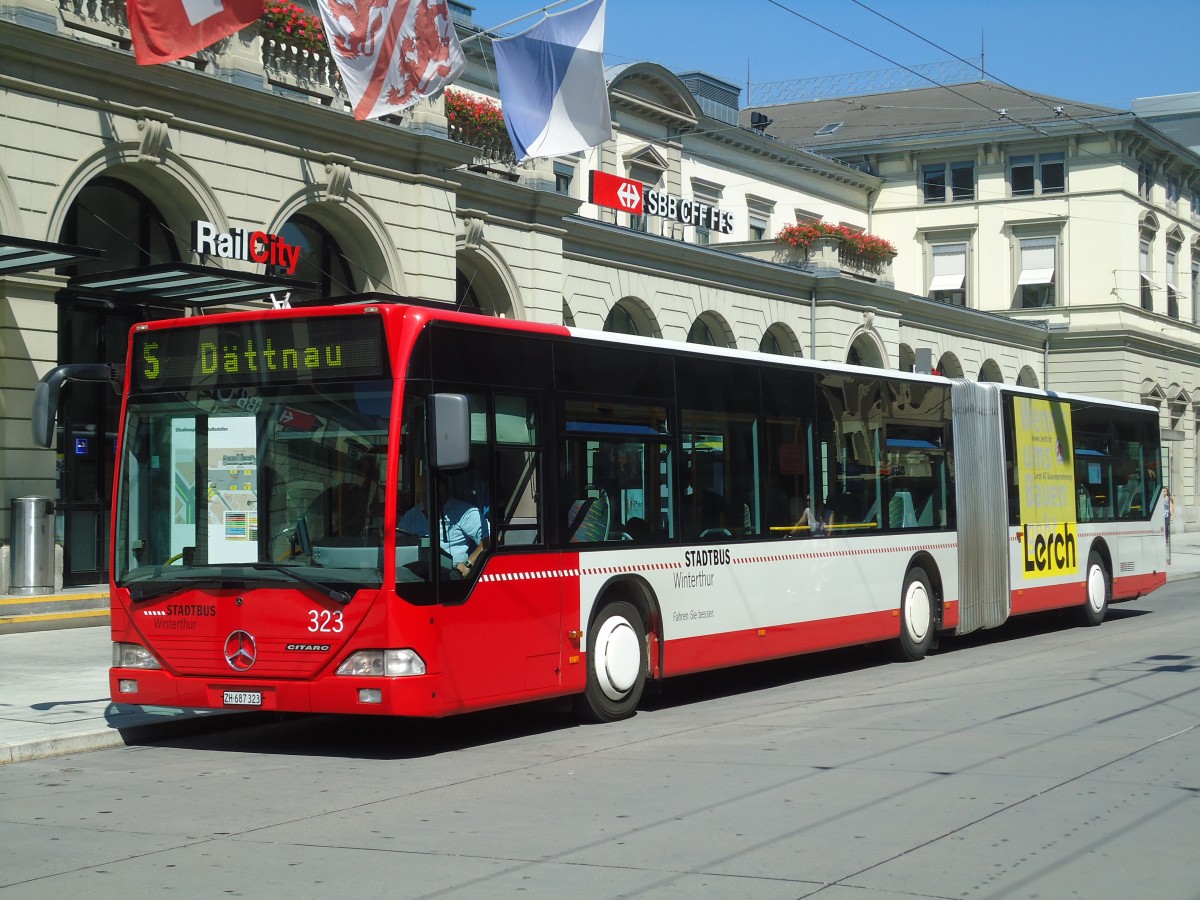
x=900, y=511
x=575, y=516
x=587, y=520
x=1125, y=494
x=1083, y=502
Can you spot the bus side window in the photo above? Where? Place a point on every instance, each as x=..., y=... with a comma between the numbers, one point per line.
x=516, y=512
x=719, y=417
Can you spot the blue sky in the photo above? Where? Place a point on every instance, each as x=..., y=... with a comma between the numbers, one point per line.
x=1103, y=51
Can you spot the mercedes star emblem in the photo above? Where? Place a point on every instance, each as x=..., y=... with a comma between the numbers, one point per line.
x=239, y=651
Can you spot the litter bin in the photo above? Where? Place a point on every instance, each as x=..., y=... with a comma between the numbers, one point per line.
x=32, y=546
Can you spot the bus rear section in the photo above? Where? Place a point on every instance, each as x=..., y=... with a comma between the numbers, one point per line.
x=1069, y=517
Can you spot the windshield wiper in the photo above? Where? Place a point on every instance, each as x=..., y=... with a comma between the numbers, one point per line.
x=332, y=593
x=160, y=587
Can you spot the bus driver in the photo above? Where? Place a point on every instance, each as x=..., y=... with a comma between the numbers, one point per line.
x=461, y=531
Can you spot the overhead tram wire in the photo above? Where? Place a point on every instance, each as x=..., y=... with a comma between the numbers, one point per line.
x=1057, y=110
x=908, y=69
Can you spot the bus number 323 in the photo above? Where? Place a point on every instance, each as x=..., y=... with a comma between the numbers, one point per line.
x=323, y=620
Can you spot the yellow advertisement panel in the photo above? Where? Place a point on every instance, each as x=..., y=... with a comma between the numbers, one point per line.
x=1046, y=487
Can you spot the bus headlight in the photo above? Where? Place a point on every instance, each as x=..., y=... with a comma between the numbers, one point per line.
x=133, y=656
x=383, y=662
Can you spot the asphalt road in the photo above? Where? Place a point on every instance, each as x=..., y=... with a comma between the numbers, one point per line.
x=1037, y=761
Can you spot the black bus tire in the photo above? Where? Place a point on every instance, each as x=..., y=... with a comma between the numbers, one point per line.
x=1098, y=593
x=918, y=620
x=616, y=664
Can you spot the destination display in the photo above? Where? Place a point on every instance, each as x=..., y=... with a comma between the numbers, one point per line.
x=261, y=352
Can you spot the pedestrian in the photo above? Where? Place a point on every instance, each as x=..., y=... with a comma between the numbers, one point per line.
x=1167, y=512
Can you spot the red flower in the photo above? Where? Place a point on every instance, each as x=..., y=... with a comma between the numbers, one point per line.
x=856, y=243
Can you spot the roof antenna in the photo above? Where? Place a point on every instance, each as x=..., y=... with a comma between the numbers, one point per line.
x=982, y=70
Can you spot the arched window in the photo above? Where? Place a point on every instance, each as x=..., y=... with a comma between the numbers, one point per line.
x=770, y=344
x=864, y=352
x=465, y=296
x=950, y=366
x=321, y=258
x=1027, y=378
x=990, y=371
x=117, y=219
x=620, y=321
x=780, y=341
x=700, y=333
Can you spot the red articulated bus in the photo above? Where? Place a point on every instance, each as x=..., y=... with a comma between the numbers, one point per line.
x=392, y=508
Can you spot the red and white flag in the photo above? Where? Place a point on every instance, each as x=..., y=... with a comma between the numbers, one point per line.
x=164, y=30
x=391, y=53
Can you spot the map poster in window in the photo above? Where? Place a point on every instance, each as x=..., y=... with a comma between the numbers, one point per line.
x=232, y=490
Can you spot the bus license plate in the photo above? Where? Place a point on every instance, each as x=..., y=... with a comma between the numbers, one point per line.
x=243, y=698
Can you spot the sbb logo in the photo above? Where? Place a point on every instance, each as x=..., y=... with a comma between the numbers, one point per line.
x=616, y=192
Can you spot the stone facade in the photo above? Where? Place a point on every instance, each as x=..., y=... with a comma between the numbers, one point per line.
x=250, y=134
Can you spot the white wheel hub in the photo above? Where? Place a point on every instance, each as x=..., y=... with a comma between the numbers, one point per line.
x=1096, y=588
x=618, y=657
x=917, y=617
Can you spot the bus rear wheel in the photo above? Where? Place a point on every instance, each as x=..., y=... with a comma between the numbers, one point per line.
x=616, y=664
x=1099, y=593
x=917, y=619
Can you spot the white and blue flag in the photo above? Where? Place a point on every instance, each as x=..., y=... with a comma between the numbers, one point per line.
x=552, y=85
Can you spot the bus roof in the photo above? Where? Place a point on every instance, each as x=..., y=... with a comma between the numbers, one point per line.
x=421, y=310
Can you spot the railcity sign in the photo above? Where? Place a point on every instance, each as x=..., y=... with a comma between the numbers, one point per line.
x=238, y=243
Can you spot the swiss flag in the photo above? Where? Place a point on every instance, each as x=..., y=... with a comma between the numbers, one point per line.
x=165, y=30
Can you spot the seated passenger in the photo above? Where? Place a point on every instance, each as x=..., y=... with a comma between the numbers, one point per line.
x=817, y=521
x=808, y=518
x=637, y=529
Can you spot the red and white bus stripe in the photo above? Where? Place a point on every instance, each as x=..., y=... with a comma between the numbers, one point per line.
x=495, y=577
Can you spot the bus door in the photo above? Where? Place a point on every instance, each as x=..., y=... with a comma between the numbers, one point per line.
x=467, y=540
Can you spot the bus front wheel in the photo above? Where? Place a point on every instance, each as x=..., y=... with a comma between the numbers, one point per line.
x=1099, y=592
x=917, y=619
x=616, y=664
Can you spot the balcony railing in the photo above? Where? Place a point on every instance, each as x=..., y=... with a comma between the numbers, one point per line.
x=283, y=65
x=493, y=148
x=306, y=71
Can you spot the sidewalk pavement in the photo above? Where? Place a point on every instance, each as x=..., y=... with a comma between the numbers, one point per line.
x=54, y=687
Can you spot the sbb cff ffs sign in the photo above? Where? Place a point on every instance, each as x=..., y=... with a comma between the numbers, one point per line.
x=633, y=197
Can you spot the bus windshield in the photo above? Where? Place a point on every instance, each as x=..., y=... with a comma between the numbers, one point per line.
x=254, y=484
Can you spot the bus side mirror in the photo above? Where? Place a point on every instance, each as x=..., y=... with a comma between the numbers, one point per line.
x=45, y=411
x=45, y=395
x=450, y=431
